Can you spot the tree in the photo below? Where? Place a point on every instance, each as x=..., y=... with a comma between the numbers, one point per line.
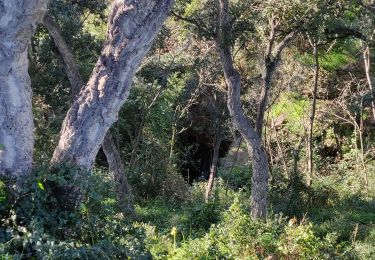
x=232, y=30
x=251, y=134
x=116, y=167
x=17, y=24
x=253, y=141
x=131, y=28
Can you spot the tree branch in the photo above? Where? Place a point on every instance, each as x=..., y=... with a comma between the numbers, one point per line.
x=71, y=67
x=199, y=25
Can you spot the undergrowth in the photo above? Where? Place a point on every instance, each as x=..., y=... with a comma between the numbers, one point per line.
x=326, y=221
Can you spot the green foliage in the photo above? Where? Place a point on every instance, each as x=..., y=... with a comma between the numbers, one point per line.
x=238, y=236
x=192, y=216
x=201, y=214
x=3, y=195
x=349, y=206
x=291, y=110
x=35, y=224
x=330, y=233
x=332, y=219
x=331, y=61
x=189, y=229
x=237, y=178
x=147, y=121
x=300, y=242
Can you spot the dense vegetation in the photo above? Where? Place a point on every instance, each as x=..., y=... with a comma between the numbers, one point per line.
x=175, y=136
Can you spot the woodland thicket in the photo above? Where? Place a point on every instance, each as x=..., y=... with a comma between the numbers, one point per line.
x=187, y=129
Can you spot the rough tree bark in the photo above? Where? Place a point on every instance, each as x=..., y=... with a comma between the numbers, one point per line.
x=18, y=20
x=116, y=167
x=258, y=156
x=252, y=135
x=312, y=116
x=132, y=26
x=213, y=169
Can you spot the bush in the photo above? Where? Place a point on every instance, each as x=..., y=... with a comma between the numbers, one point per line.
x=238, y=178
x=35, y=225
x=238, y=236
x=174, y=187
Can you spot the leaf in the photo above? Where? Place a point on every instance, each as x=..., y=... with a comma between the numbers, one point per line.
x=40, y=185
x=1, y=147
x=82, y=208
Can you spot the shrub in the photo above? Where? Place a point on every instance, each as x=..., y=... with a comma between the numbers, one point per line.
x=238, y=178
x=35, y=226
x=238, y=236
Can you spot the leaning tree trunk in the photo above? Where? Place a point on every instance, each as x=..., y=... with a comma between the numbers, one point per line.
x=18, y=20
x=213, y=170
x=116, y=167
x=259, y=191
x=251, y=134
x=132, y=26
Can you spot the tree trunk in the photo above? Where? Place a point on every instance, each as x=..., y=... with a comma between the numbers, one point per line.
x=213, y=169
x=366, y=59
x=18, y=20
x=251, y=134
x=71, y=67
x=117, y=170
x=259, y=191
x=173, y=142
x=116, y=167
x=312, y=118
x=266, y=85
x=271, y=62
x=132, y=26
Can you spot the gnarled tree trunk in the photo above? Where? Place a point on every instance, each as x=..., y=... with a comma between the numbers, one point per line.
x=18, y=20
x=259, y=191
x=132, y=26
x=71, y=67
x=251, y=134
x=258, y=156
x=116, y=167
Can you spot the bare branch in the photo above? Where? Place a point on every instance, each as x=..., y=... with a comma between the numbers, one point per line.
x=284, y=43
